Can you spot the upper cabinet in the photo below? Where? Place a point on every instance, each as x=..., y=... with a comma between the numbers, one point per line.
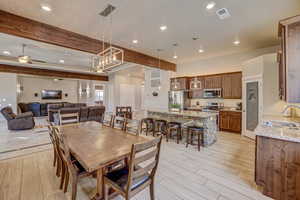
x=214, y=81
x=289, y=60
x=232, y=85
x=181, y=83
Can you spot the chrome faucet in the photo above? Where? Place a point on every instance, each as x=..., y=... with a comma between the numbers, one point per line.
x=284, y=112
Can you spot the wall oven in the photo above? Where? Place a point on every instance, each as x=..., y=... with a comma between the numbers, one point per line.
x=212, y=93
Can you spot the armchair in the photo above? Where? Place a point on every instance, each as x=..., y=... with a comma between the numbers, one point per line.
x=18, y=122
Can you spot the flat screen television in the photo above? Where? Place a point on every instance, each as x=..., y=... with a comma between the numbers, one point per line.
x=51, y=94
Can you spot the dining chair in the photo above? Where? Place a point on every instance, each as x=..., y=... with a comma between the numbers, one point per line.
x=133, y=126
x=139, y=174
x=68, y=118
x=119, y=122
x=57, y=160
x=108, y=119
x=71, y=166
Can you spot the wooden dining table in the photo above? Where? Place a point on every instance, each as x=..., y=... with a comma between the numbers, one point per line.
x=96, y=146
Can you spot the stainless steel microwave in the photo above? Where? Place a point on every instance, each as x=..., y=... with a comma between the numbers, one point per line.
x=212, y=93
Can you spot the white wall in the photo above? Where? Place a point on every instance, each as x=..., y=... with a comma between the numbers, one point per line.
x=161, y=101
x=8, y=91
x=223, y=64
x=124, y=91
x=32, y=85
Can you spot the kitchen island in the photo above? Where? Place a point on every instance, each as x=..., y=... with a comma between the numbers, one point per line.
x=207, y=120
x=277, y=167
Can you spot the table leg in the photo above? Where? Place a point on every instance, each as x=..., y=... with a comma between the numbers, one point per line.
x=99, y=192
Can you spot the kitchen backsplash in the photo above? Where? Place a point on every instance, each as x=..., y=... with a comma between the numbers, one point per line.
x=226, y=102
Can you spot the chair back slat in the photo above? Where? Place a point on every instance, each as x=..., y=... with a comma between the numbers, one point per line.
x=108, y=119
x=133, y=126
x=68, y=118
x=144, y=170
x=145, y=157
x=119, y=122
x=147, y=145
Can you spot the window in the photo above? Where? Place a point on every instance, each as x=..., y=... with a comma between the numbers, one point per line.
x=99, y=94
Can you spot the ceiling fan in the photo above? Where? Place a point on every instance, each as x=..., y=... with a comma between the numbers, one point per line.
x=27, y=59
x=23, y=58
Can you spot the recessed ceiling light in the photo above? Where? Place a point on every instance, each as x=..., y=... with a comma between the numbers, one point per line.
x=175, y=56
x=201, y=51
x=46, y=8
x=163, y=27
x=61, y=61
x=237, y=42
x=6, y=52
x=210, y=5
x=135, y=41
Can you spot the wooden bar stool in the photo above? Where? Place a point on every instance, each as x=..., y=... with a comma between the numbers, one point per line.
x=160, y=126
x=194, y=130
x=149, y=122
x=174, y=127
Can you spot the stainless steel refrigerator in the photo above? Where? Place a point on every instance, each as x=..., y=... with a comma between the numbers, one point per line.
x=178, y=100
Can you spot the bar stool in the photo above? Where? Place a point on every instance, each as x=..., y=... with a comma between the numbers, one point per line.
x=191, y=130
x=149, y=122
x=172, y=127
x=160, y=126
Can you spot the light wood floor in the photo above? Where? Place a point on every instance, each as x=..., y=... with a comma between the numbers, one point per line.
x=224, y=171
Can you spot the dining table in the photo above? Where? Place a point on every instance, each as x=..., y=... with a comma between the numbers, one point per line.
x=97, y=146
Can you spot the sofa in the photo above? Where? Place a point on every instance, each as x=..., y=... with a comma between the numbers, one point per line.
x=22, y=121
x=86, y=113
x=38, y=109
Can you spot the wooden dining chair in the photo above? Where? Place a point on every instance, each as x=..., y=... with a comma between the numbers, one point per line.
x=108, y=120
x=119, y=122
x=57, y=160
x=138, y=174
x=68, y=118
x=133, y=126
x=71, y=166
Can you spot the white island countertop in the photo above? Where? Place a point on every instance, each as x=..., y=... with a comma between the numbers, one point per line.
x=186, y=113
x=271, y=127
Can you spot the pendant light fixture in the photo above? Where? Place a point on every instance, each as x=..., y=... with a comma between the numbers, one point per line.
x=111, y=56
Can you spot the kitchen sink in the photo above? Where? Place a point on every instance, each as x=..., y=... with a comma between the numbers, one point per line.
x=281, y=124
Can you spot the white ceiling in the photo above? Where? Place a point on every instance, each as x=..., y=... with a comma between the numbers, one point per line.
x=254, y=22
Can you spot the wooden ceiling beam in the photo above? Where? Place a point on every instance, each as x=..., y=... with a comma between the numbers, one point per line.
x=50, y=73
x=34, y=30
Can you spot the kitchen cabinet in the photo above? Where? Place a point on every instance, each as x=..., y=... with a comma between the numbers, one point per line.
x=230, y=121
x=181, y=83
x=289, y=60
x=232, y=85
x=214, y=81
x=277, y=168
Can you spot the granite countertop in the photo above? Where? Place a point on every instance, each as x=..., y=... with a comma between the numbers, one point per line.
x=186, y=113
x=231, y=109
x=271, y=128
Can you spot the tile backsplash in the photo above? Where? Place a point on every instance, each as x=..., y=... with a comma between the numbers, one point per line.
x=226, y=102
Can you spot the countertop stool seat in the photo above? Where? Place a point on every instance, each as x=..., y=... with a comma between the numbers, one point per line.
x=191, y=132
x=149, y=125
x=172, y=127
x=160, y=127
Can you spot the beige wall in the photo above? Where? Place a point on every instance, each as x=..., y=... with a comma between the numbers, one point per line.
x=8, y=91
x=33, y=85
x=223, y=64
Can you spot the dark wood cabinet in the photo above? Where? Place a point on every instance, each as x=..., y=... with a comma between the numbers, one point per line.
x=277, y=168
x=232, y=85
x=181, y=83
x=230, y=121
x=289, y=60
x=211, y=82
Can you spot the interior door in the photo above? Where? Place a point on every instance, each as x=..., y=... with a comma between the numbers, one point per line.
x=252, y=105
